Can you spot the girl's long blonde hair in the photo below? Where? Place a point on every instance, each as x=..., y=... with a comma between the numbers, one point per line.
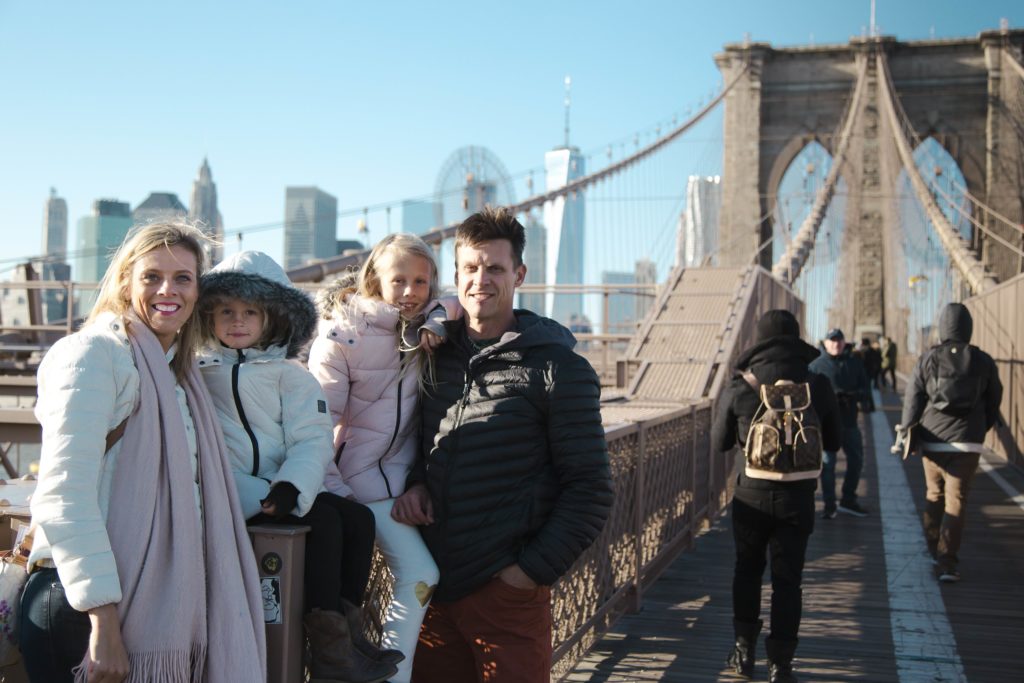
x=115, y=288
x=367, y=284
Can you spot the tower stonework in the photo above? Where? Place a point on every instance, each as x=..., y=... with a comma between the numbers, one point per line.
x=966, y=94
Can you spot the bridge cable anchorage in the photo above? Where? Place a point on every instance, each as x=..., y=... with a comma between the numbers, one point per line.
x=788, y=268
x=437, y=235
x=970, y=268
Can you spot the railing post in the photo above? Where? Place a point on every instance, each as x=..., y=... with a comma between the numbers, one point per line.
x=693, y=477
x=638, y=520
x=280, y=558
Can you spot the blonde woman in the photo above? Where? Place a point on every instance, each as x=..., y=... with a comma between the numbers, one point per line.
x=141, y=566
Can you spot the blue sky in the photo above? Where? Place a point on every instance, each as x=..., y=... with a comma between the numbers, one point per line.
x=365, y=100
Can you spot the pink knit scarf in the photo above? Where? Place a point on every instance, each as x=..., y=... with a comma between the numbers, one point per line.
x=191, y=609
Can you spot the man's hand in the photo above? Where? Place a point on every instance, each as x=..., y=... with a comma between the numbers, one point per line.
x=106, y=660
x=514, y=576
x=429, y=340
x=414, y=507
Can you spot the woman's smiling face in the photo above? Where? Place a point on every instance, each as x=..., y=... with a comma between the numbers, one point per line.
x=163, y=289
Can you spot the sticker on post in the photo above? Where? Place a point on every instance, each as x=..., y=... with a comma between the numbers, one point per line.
x=271, y=589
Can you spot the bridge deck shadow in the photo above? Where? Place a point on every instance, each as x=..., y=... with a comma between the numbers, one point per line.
x=685, y=629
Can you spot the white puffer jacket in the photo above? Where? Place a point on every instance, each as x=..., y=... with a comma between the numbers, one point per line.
x=272, y=411
x=355, y=357
x=275, y=422
x=87, y=386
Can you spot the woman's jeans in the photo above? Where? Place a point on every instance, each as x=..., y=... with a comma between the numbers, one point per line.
x=53, y=636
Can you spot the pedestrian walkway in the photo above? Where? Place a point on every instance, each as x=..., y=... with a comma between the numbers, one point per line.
x=872, y=609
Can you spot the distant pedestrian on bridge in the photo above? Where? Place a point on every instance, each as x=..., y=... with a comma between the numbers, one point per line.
x=953, y=399
x=850, y=384
x=774, y=516
x=889, y=355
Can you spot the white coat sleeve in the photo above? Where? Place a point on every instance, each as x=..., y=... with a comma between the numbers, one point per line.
x=307, y=435
x=78, y=396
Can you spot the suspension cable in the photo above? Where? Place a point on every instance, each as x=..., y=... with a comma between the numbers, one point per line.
x=971, y=268
x=792, y=261
x=318, y=271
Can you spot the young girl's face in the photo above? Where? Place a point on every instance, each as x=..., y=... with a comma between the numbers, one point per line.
x=405, y=282
x=238, y=324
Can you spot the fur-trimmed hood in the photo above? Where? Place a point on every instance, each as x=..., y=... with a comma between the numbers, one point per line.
x=254, y=276
x=333, y=296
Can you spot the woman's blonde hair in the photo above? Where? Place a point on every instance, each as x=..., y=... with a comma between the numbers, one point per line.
x=115, y=288
x=367, y=285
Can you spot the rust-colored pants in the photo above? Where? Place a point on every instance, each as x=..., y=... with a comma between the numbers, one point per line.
x=948, y=477
x=497, y=634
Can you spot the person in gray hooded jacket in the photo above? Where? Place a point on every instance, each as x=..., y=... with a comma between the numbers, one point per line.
x=952, y=401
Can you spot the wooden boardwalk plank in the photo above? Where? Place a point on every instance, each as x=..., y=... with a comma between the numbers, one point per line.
x=685, y=629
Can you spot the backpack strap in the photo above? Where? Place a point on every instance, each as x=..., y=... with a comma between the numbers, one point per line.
x=751, y=379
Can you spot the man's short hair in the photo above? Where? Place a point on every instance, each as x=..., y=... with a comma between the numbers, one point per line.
x=493, y=223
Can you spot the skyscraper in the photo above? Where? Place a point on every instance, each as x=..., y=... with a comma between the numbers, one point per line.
x=99, y=235
x=563, y=219
x=203, y=211
x=697, y=238
x=533, y=257
x=54, y=265
x=310, y=225
x=159, y=206
x=646, y=273
x=419, y=216
x=55, y=227
x=621, y=310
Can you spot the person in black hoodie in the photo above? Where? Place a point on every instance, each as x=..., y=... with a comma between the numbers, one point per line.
x=773, y=516
x=953, y=397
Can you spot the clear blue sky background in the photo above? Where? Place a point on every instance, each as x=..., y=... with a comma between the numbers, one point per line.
x=364, y=99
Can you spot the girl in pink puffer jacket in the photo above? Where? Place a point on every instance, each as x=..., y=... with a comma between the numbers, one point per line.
x=371, y=355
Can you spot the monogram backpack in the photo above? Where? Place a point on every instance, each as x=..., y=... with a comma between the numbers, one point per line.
x=784, y=440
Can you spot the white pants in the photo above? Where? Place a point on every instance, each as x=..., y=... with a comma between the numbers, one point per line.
x=415, y=578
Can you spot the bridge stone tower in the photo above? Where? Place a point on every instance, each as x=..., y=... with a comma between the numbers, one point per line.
x=967, y=94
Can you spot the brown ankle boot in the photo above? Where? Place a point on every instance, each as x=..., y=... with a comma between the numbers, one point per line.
x=354, y=616
x=334, y=659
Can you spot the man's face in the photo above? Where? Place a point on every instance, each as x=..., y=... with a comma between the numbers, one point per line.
x=834, y=347
x=486, y=276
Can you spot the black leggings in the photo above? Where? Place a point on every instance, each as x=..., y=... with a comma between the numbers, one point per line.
x=339, y=550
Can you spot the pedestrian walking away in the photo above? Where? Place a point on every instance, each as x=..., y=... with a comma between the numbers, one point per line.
x=773, y=510
x=952, y=400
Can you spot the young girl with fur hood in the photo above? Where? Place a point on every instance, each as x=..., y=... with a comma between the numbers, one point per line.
x=278, y=434
x=367, y=359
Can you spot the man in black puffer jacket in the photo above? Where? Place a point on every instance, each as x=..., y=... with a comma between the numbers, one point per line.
x=515, y=481
x=771, y=515
x=953, y=397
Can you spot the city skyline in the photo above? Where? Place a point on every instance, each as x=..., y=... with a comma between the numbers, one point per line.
x=383, y=127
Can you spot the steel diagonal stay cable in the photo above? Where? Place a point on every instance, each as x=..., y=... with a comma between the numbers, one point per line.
x=973, y=271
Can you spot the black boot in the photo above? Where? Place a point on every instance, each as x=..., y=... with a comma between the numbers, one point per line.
x=780, y=660
x=741, y=659
x=333, y=657
x=354, y=616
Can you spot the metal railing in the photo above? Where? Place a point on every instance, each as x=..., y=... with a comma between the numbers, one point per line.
x=999, y=331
